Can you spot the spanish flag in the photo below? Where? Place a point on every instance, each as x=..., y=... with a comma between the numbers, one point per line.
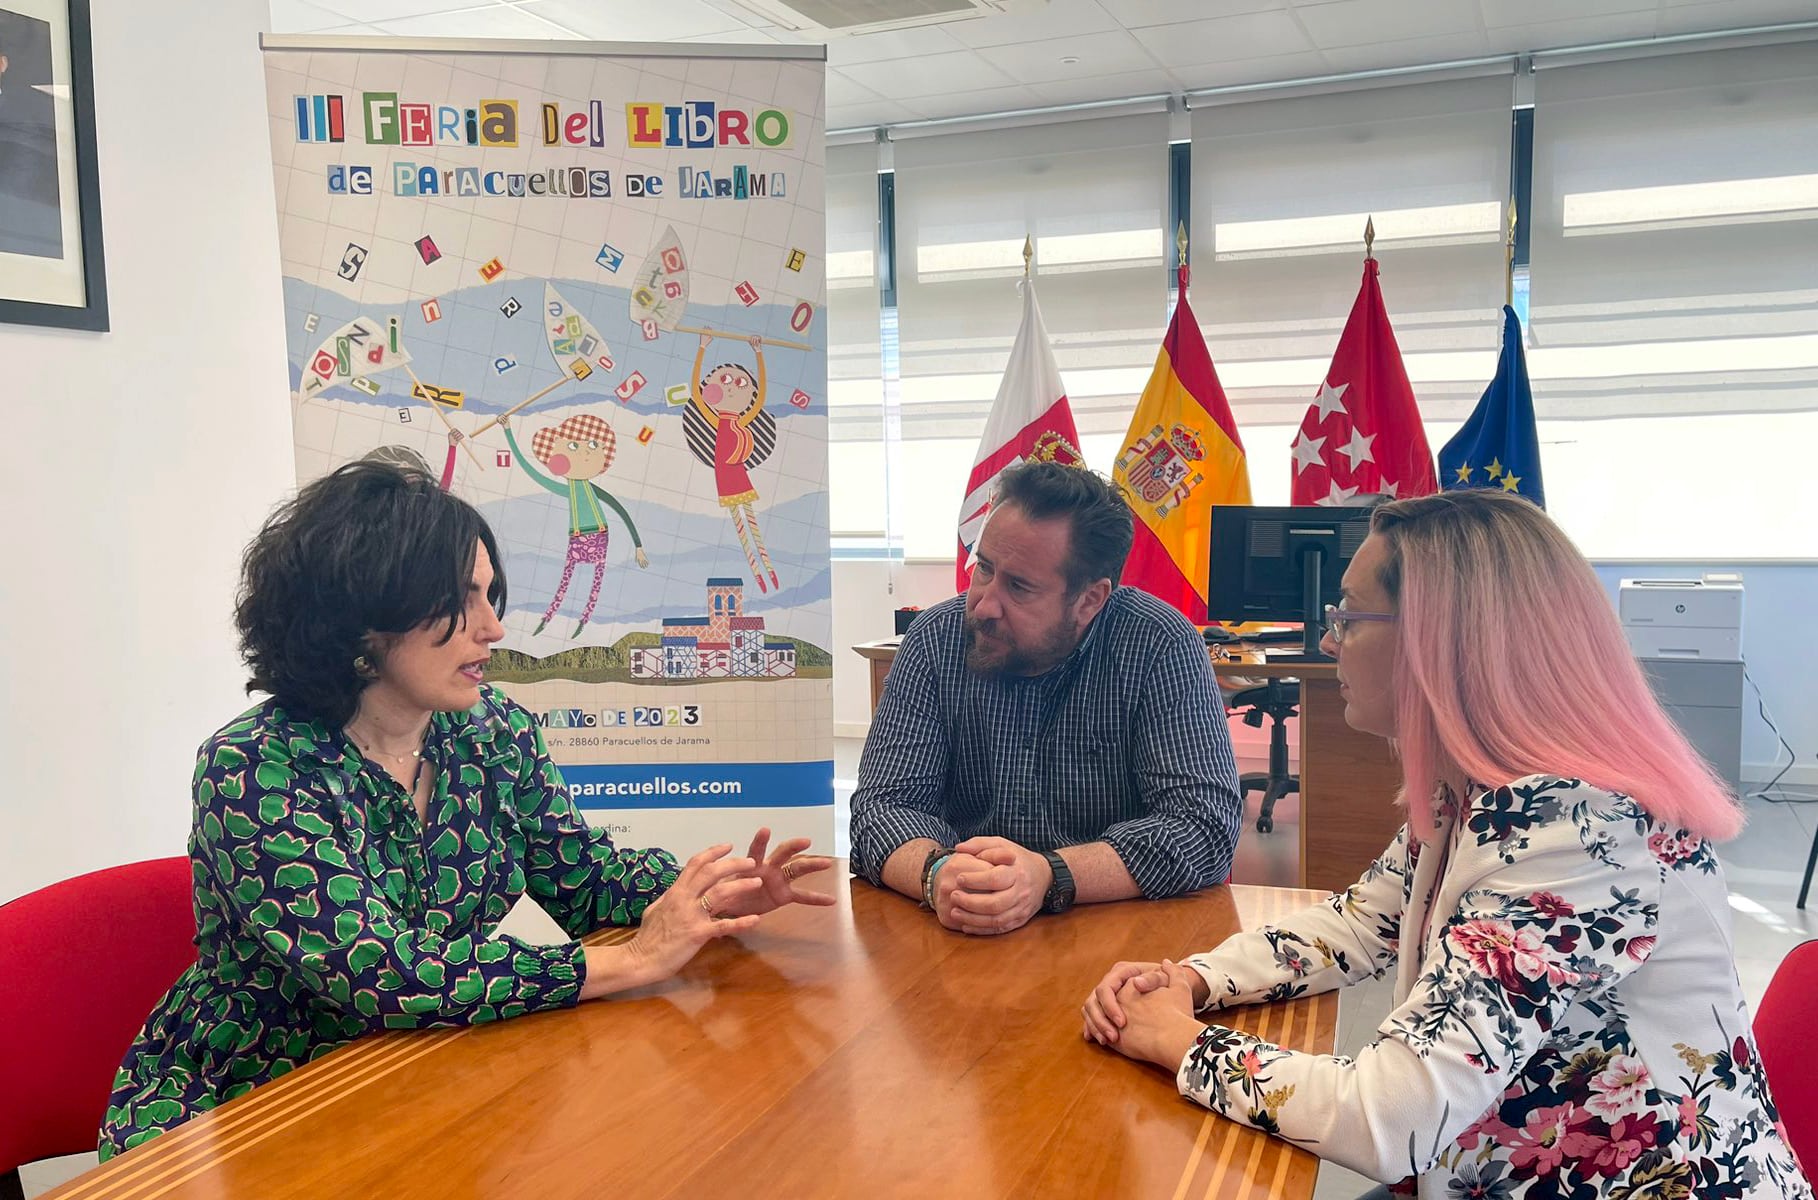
x=1181, y=456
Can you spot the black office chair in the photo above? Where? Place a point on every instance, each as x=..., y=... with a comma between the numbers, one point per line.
x=1277, y=700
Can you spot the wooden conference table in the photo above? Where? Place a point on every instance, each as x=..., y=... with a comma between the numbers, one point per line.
x=1348, y=779
x=855, y=1051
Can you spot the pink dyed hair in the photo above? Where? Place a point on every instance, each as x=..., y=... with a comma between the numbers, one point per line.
x=1512, y=663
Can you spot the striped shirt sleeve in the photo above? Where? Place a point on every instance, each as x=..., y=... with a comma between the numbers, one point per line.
x=1180, y=753
x=903, y=771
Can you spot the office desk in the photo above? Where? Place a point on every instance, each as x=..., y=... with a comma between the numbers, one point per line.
x=1348, y=779
x=855, y=1051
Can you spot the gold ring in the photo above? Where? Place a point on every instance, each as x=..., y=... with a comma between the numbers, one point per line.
x=789, y=870
x=706, y=907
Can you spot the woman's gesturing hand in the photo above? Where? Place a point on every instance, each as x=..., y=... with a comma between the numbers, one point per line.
x=777, y=876
x=683, y=919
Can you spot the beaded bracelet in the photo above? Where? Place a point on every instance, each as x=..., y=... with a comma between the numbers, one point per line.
x=935, y=862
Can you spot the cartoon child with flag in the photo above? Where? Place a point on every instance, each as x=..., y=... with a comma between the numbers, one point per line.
x=578, y=451
x=729, y=430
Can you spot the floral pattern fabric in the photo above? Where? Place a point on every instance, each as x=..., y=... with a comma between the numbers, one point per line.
x=326, y=910
x=1568, y=1023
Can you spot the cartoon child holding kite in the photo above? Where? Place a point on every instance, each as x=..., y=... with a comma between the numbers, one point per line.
x=729, y=430
x=577, y=452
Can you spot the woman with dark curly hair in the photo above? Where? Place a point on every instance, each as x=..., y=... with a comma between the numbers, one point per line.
x=359, y=836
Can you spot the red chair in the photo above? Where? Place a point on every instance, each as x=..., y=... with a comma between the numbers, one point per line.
x=1783, y=1034
x=84, y=962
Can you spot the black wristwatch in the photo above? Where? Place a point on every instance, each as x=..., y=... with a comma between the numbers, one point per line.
x=1059, y=897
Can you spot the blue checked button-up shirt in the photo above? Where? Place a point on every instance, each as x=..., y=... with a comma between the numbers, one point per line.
x=1124, y=742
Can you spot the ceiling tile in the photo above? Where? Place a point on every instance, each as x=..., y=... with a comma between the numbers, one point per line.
x=496, y=21
x=1135, y=14
x=1105, y=87
x=874, y=112
x=1224, y=39
x=982, y=100
x=1098, y=54
x=373, y=12
x=744, y=13
x=891, y=44
x=1811, y=10
x=1125, y=47
x=843, y=92
x=352, y=30
x=294, y=16
x=1736, y=14
x=735, y=37
x=1058, y=18
x=1583, y=31
x=929, y=75
x=1540, y=12
x=1359, y=22
x=1414, y=52
x=1272, y=69
x=635, y=20
x=775, y=34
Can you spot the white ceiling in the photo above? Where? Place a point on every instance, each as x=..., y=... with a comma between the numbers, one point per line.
x=1122, y=47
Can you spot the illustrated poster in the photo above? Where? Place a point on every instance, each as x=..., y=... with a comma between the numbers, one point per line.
x=585, y=291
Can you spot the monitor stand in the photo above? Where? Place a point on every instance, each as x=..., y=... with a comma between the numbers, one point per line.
x=1313, y=610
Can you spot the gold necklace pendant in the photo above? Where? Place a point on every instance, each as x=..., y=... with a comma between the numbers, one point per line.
x=372, y=751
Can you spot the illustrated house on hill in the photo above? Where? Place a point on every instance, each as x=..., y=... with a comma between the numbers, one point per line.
x=722, y=644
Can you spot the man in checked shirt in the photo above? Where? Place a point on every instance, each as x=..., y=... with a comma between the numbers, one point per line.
x=1049, y=737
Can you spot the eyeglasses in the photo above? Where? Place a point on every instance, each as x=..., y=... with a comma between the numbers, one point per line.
x=1337, y=617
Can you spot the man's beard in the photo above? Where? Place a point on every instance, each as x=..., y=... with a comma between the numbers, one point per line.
x=1000, y=658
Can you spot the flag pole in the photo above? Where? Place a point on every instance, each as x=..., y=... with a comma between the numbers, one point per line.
x=1508, y=271
x=514, y=409
x=1028, y=255
x=730, y=336
x=1369, y=239
x=1180, y=243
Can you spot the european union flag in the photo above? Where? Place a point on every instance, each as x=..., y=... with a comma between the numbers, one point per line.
x=1498, y=447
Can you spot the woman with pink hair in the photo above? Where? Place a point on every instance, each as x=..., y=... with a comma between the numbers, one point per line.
x=1568, y=1021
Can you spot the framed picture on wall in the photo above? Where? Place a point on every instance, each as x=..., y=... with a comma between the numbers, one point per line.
x=51, y=267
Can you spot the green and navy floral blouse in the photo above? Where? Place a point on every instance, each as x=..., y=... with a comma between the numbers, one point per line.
x=1568, y=1022
x=326, y=910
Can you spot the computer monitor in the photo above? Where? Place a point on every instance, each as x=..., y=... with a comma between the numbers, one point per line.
x=1282, y=564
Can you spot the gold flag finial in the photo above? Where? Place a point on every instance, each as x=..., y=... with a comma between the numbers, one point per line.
x=1180, y=241
x=1028, y=255
x=1508, y=274
x=1369, y=238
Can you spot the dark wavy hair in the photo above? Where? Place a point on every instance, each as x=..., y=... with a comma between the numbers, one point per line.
x=1099, y=526
x=369, y=550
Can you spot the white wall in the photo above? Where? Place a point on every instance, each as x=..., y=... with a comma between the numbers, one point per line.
x=866, y=594
x=140, y=461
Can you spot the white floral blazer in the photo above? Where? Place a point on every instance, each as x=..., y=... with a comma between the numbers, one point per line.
x=1570, y=1026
